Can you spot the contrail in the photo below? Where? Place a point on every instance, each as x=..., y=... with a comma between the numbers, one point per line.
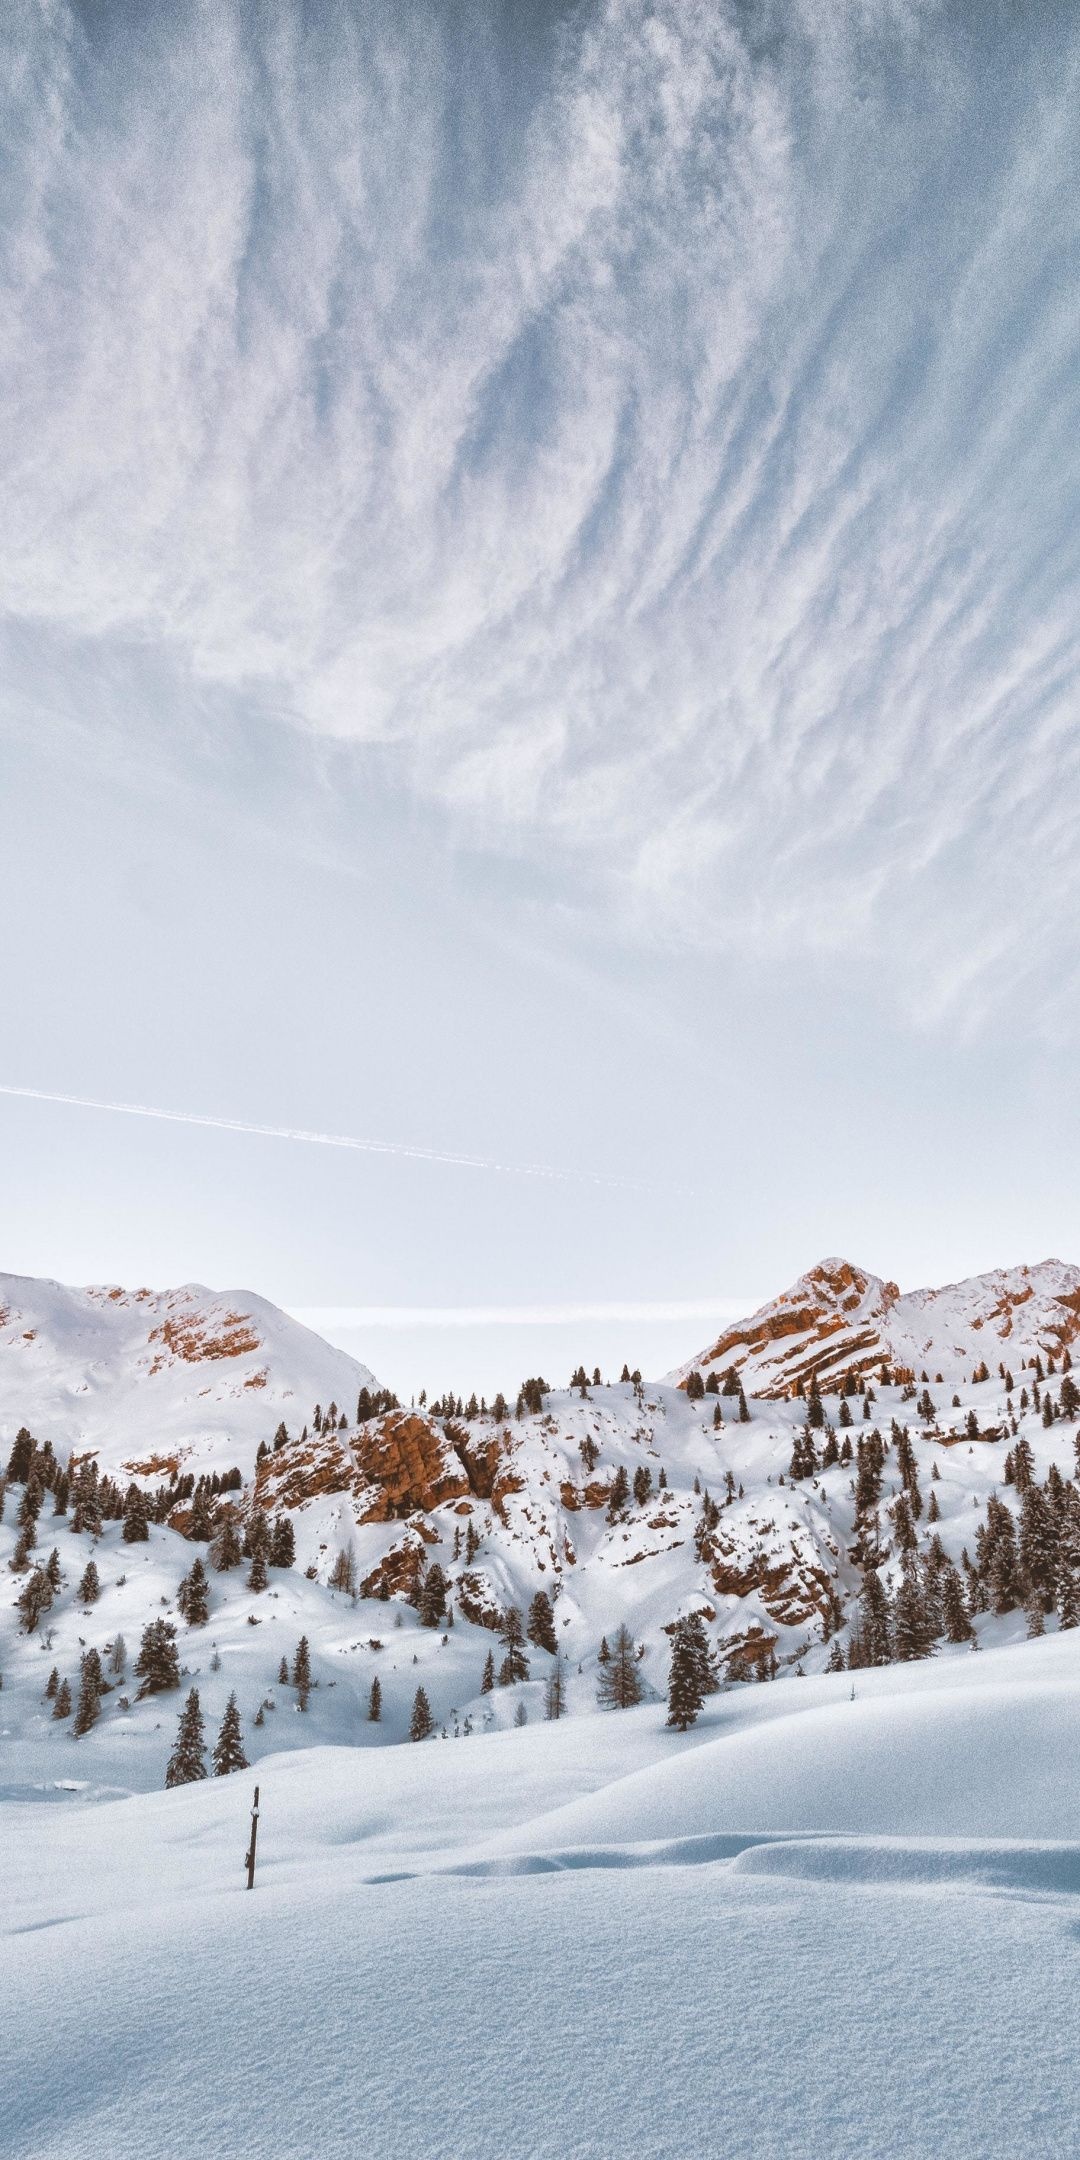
x=400, y=1148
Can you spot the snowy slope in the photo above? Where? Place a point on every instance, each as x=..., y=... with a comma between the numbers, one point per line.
x=815, y=1928
x=191, y=1376
x=838, y=1318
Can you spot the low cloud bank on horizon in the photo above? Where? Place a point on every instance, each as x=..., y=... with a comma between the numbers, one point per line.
x=474, y=1316
x=654, y=426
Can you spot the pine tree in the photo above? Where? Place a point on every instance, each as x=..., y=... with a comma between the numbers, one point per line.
x=911, y=1633
x=488, y=1681
x=433, y=1596
x=52, y=1570
x=283, y=1673
x=421, y=1724
x=515, y=1664
x=695, y=1387
x=89, y=1589
x=229, y=1746
x=193, y=1595
x=91, y=1684
x=1068, y=1598
x=62, y=1705
x=815, y=1408
x=619, y=1685
x=34, y=1600
x=689, y=1673
x=642, y=1485
x=118, y=1656
x=953, y=1608
x=157, y=1665
x=227, y=1551
x=283, y=1544
x=874, y=1620
x=301, y=1672
x=555, y=1692
x=541, y=1623
x=51, y=1685
x=619, y=1495
x=257, y=1576
x=374, y=1708
x=136, y=1528
x=187, y=1763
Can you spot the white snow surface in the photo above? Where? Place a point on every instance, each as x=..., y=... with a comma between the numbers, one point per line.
x=813, y=1925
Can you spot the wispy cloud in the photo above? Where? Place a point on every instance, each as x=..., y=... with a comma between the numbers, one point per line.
x=658, y=432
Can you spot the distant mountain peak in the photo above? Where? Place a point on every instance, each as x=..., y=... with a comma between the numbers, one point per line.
x=838, y=1319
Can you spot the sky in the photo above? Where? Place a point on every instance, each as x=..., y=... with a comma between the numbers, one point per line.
x=538, y=634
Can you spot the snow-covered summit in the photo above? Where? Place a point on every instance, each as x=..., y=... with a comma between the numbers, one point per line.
x=189, y=1377
x=839, y=1318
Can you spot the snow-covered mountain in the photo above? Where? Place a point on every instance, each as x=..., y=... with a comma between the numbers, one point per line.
x=839, y=1319
x=152, y=1380
x=623, y=1502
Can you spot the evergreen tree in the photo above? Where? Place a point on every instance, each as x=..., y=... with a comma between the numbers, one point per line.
x=953, y=1608
x=690, y=1672
x=695, y=1387
x=193, y=1595
x=1068, y=1600
x=874, y=1620
x=301, y=1673
x=815, y=1408
x=117, y=1656
x=136, y=1528
x=433, y=1596
x=619, y=1495
x=555, y=1692
x=488, y=1681
x=374, y=1708
x=421, y=1724
x=283, y=1543
x=187, y=1763
x=257, y=1575
x=62, y=1705
x=157, y=1665
x=541, y=1623
x=91, y=1684
x=229, y=1746
x=642, y=1485
x=283, y=1673
x=515, y=1664
x=89, y=1589
x=912, y=1636
x=227, y=1551
x=34, y=1600
x=51, y=1685
x=52, y=1570
x=619, y=1685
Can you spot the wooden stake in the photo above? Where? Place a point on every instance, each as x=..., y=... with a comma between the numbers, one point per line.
x=249, y=1856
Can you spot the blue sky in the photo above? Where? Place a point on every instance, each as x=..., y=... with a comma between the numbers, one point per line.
x=538, y=622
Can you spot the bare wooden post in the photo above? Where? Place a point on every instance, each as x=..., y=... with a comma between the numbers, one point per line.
x=249, y=1856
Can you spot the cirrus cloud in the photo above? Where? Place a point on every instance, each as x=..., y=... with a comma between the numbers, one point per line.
x=656, y=431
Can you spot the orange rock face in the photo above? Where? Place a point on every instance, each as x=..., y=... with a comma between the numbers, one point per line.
x=398, y=1571
x=189, y=1336
x=410, y=1462
x=791, y=1592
